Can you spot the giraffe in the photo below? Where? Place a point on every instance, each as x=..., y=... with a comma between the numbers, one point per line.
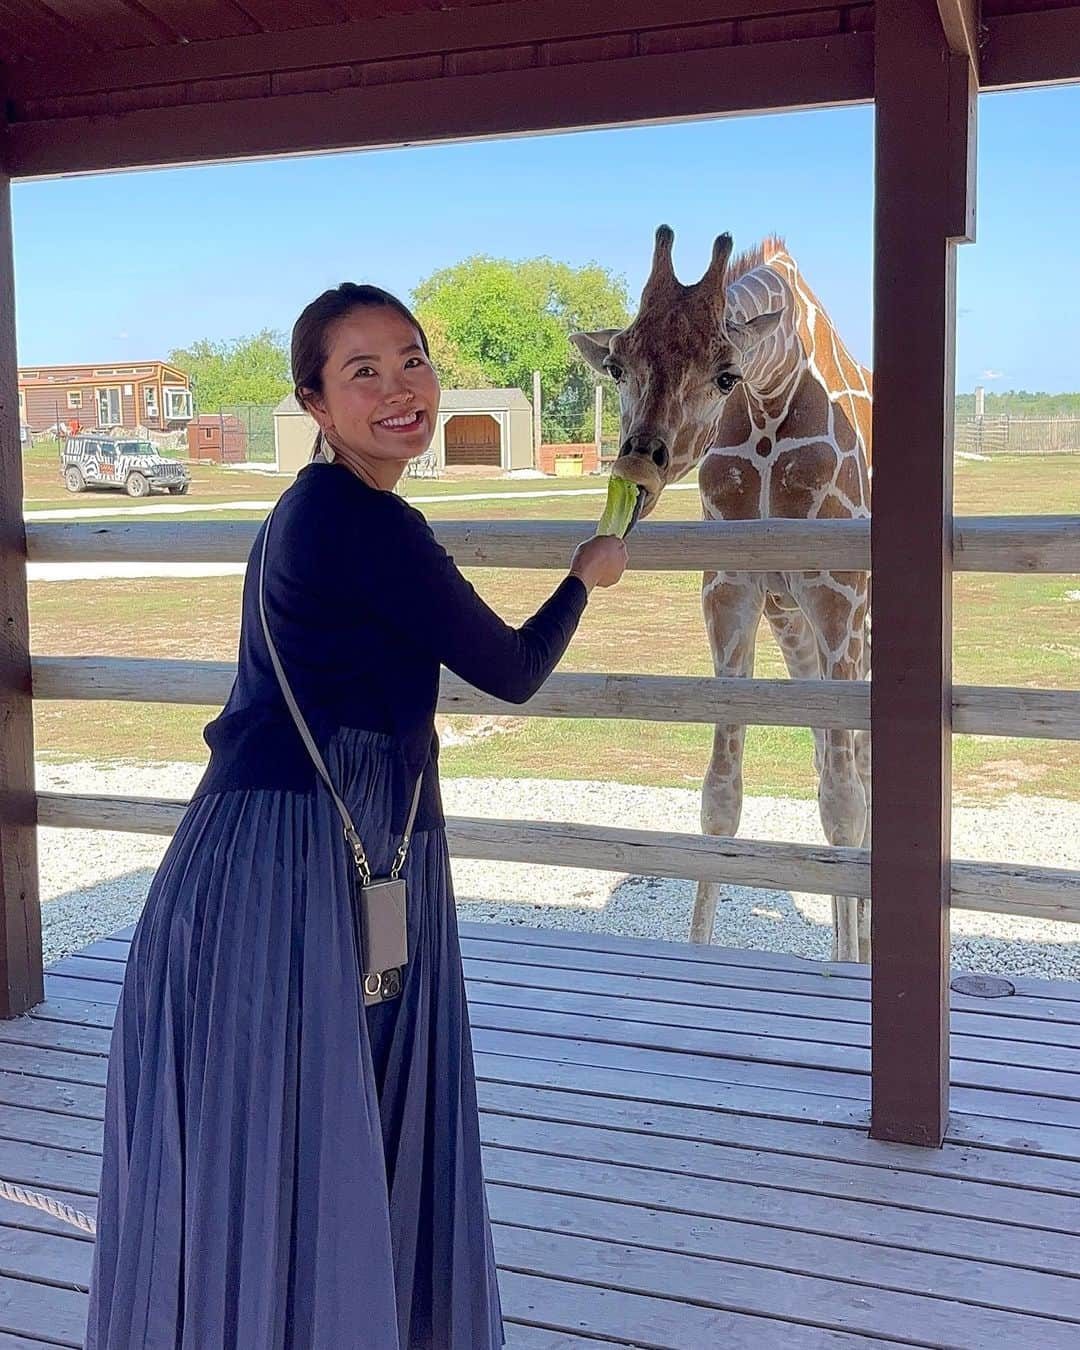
x=743, y=375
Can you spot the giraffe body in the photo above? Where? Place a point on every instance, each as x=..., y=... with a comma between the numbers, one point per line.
x=744, y=376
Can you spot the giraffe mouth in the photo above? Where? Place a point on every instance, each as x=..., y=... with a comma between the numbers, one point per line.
x=639, y=506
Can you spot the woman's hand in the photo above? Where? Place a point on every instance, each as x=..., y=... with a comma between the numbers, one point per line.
x=600, y=561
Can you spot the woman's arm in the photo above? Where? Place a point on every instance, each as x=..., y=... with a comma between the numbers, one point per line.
x=414, y=584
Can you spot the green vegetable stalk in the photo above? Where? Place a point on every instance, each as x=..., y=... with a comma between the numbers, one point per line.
x=618, y=516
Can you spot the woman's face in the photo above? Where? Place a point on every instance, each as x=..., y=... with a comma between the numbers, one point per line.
x=380, y=392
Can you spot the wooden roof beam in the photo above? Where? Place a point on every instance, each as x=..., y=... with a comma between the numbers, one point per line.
x=960, y=20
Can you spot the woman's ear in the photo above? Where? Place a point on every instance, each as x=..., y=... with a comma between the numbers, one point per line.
x=315, y=406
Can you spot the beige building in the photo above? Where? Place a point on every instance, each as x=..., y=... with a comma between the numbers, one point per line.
x=488, y=428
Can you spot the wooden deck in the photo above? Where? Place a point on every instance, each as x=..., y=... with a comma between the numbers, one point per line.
x=675, y=1152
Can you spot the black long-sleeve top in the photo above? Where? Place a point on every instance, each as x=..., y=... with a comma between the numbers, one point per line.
x=364, y=605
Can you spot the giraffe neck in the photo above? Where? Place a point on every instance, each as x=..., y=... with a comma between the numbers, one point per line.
x=796, y=431
x=776, y=366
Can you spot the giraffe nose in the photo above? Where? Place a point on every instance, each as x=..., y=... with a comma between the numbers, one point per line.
x=651, y=447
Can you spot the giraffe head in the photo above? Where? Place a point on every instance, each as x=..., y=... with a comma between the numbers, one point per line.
x=675, y=366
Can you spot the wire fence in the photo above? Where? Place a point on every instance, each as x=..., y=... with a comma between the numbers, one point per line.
x=257, y=420
x=1005, y=435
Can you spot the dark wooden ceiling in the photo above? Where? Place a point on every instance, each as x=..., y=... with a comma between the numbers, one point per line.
x=91, y=84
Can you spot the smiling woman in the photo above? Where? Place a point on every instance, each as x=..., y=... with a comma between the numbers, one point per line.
x=363, y=371
x=306, y=988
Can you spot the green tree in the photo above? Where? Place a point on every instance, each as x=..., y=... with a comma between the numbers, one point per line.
x=456, y=370
x=251, y=369
x=1021, y=403
x=507, y=319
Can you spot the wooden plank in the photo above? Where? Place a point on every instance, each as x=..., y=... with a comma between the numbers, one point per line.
x=45, y=1258
x=523, y=935
x=708, y=984
x=559, y=941
x=50, y=1094
x=961, y=1198
x=980, y=543
x=89, y=968
x=110, y=948
x=20, y=914
x=25, y=1125
x=755, y=1048
x=714, y=1002
x=960, y=21
x=419, y=33
x=61, y=1065
x=1036, y=891
x=836, y=989
x=548, y=958
x=1034, y=1041
x=800, y=1299
x=838, y=1086
x=93, y=991
x=27, y=1308
x=825, y=704
x=75, y=1012
x=35, y=1166
x=520, y=1337
x=597, y=93
x=657, y=1122
x=819, y=1108
x=955, y=1288
x=655, y=1322
x=1031, y=48
x=10, y=1342
x=34, y=1031
x=778, y=1038
x=916, y=150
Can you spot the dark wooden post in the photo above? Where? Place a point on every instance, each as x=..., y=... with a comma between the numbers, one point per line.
x=925, y=105
x=20, y=915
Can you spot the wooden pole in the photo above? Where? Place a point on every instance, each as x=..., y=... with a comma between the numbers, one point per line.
x=21, y=983
x=538, y=434
x=923, y=203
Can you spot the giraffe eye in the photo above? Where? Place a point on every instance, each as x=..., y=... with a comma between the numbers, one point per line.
x=613, y=369
x=727, y=380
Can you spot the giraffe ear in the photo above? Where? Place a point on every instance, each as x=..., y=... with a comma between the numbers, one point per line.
x=748, y=335
x=595, y=347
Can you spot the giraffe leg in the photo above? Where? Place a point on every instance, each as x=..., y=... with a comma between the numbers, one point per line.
x=732, y=607
x=834, y=606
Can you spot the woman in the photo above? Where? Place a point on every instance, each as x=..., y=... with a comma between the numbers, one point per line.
x=286, y=1168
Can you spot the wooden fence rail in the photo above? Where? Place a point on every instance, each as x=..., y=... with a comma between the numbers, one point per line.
x=980, y=544
x=1037, y=892
x=1049, y=713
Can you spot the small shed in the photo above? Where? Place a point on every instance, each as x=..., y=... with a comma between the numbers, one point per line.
x=485, y=428
x=294, y=435
x=218, y=438
x=481, y=428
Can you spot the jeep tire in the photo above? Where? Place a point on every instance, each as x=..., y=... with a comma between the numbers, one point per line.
x=73, y=479
x=136, y=485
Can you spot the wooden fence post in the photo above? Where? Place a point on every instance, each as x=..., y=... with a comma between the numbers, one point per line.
x=20, y=916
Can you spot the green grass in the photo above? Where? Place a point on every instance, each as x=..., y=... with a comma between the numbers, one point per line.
x=1014, y=630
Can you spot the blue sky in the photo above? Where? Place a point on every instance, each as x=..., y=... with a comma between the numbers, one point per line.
x=128, y=266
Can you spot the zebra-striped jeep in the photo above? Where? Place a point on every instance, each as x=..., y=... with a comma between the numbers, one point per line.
x=135, y=466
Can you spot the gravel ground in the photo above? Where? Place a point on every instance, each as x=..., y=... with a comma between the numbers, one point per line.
x=95, y=882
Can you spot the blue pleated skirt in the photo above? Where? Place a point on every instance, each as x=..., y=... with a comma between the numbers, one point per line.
x=284, y=1169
